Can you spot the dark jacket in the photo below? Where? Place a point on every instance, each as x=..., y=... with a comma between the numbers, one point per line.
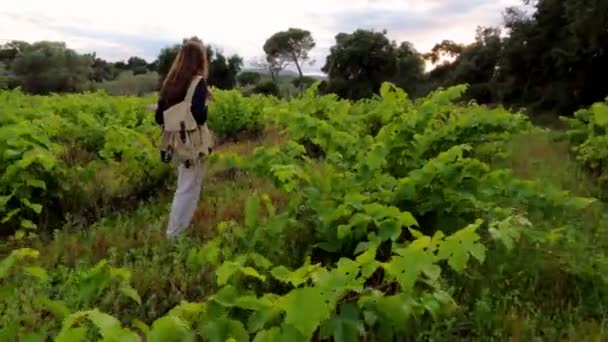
x=198, y=106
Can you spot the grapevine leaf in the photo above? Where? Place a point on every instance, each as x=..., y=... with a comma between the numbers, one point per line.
x=110, y=328
x=270, y=335
x=305, y=309
x=600, y=112
x=252, y=211
x=297, y=277
x=170, y=329
x=223, y=329
x=227, y=296
x=4, y=200
x=36, y=183
x=57, y=308
x=34, y=337
x=72, y=335
x=27, y=224
x=37, y=208
x=344, y=328
x=130, y=292
x=258, y=319
x=37, y=272
x=10, y=215
x=389, y=230
x=226, y=271
x=457, y=247
x=252, y=273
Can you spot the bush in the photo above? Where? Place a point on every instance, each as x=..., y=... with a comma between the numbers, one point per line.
x=231, y=113
x=267, y=88
x=129, y=84
x=304, y=82
x=248, y=78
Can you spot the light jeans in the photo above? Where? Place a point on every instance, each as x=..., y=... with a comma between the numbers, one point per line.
x=185, y=200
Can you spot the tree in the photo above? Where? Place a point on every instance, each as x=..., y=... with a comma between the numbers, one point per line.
x=304, y=82
x=138, y=65
x=273, y=65
x=410, y=69
x=359, y=63
x=222, y=70
x=10, y=50
x=445, y=49
x=557, y=57
x=46, y=67
x=474, y=64
x=103, y=70
x=267, y=88
x=248, y=78
x=291, y=46
x=165, y=60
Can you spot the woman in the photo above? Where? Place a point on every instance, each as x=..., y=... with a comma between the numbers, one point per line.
x=191, y=61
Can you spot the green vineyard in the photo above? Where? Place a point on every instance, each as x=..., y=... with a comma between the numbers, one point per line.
x=386, y=219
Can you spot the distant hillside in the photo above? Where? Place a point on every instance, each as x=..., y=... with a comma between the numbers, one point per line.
x=285, y=73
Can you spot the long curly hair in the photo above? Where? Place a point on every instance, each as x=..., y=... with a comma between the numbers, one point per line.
x=191, y=60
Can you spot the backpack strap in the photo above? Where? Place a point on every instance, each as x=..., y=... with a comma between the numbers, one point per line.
x=191, y=89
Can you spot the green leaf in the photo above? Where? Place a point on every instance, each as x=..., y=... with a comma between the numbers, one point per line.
x=271, y=335
x=227, y=296
x=34, y=337
x=4, y=200
x=344, y=328
x=143, y=327
x=226, y=271
x=7, y=264
x=27, y=224
x=170, y=329
x=10, y=215
x=224, y=329
x=297, y=277
x=252, y=273
x=258, y=319
x=457, y=247
x=252, y=211
x=56, y=307
x=37, y=272
x=305, y=309
x=389, y=230
x=600, y=113
x=72, y=335
x=37, y=208
x=130, y=292
x=110, y=328
x=36, y=183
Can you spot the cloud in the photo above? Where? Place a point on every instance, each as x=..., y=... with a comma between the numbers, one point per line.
x=118, y=29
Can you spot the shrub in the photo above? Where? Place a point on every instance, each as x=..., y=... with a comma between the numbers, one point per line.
x=267, y=88
x=129, y=84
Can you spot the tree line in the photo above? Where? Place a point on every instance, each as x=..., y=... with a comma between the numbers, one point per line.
x=554, y=59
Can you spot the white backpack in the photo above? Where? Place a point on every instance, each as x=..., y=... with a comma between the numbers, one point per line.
x=183, y=140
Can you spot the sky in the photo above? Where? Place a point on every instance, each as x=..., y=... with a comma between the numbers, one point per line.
x=118, y=29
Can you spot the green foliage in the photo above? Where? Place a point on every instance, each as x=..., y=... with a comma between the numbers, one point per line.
x=588, y=133
x=248, y=78
x=128, y=83
x=291, y=46
x=361, y=61
x=223, y=70
x=46, y=67
x=74, y=154
x=270, y=88
x=390, y=207
x=231, y=113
